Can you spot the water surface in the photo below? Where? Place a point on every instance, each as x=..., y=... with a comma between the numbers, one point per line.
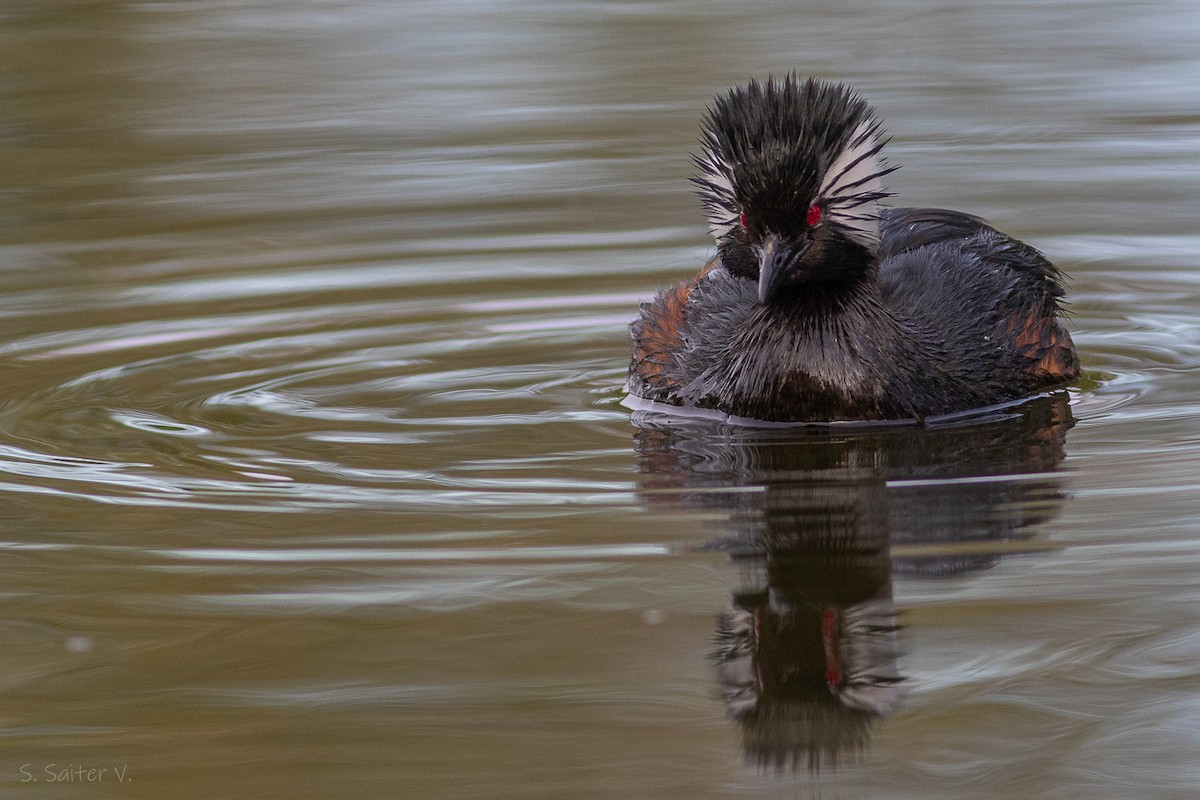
x=315, y=479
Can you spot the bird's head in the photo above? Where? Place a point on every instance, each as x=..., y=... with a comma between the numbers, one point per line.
x=791, y=178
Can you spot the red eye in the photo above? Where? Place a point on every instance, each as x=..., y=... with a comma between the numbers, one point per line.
x=742, y=219
x=814, y=214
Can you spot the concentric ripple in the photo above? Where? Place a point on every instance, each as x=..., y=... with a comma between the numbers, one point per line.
x=325, y=403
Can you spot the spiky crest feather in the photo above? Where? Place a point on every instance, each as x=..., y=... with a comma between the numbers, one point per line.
x=783, y=145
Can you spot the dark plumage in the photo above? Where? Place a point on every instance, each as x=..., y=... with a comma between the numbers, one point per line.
x=822, y=305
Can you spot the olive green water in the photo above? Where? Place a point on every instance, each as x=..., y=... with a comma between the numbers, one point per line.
x=314, y=480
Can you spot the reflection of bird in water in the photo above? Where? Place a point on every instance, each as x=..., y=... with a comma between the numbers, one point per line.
x=807, y=653
x=822, y=305
x=987, y=481
x=807, y=661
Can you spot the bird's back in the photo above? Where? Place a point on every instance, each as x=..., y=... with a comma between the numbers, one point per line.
x=992, y=300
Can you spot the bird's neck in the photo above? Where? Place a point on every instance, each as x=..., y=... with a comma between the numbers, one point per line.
x=828, y=346
x=852, y=303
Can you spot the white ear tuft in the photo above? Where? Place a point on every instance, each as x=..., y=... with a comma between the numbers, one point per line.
x=716, y=192
x=853, y=186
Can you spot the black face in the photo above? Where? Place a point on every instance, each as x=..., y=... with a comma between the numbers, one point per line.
x=791, y=180
x=799, y=255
